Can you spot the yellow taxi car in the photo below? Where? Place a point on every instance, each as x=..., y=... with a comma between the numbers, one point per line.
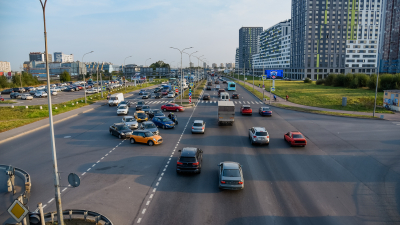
x=141, y=116
x=146, y=137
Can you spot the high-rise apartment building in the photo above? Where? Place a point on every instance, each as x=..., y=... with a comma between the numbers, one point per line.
x=39, y=56
x=391, y=42
x=336, y=36
x=5, y=67
x=214, y=65
x=273, y=48
x=248, y=37
x=237, y=59
x=204, y=65
x=61, y=57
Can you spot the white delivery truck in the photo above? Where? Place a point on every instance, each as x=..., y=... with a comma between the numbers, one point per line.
x=226, y=112
x=115, y=99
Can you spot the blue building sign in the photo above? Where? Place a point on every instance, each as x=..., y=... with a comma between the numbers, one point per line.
x=276, y=73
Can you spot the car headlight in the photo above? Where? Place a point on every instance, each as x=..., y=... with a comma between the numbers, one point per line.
x=154, y=139
x=122, y=133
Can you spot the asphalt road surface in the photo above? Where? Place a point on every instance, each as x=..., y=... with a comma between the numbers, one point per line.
x=347, y=174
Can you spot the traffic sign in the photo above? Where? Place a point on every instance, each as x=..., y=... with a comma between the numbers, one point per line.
x=191, y=84
x=18, y=211
x=176, y=90
x=264, y=77
x=263, y=86
x=272, y=88
x=190, y=94
x=176, y=87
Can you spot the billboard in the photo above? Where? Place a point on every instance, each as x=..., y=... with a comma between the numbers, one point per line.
x=276, y=73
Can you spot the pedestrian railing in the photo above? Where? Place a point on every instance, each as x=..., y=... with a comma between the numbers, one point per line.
x=71, y=214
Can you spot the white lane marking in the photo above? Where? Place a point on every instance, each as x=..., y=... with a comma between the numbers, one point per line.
x=240, y=102
x=94, y=165
x=64, y=189
x=154, y=190
x=171, y=156
x=83, y=174
x=140, y=219
x=143, y=211
x=164, y=170
x=107, y=154
x=159, y=179
x=166, y=166
x=162, y=174
x=157, y=184
x=98, y=161
x=45, y=205
x=252, y=102
x=151, y=196
x=102, y=158
x=88, y=169
x=50, y=200
x=148, y=202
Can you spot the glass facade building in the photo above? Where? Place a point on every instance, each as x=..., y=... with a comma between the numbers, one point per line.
x=391, y=43
x=248, y=38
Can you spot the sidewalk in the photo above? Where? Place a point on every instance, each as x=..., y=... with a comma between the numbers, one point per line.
x=386, y=116
x=29, y=128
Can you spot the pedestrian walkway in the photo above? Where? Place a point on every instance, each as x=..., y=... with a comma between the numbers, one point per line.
x=386, y=116
x=234, y=102
x=154, y=102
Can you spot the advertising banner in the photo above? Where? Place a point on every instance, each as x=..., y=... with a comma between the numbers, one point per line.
x=273, y=74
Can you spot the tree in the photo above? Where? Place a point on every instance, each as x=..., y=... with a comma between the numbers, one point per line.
x=159, y=64
x=64, y=77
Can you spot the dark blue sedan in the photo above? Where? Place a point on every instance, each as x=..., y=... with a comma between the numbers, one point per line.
x=163, y=122
x=265, y=111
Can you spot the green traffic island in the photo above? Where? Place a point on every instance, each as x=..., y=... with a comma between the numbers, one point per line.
x=196, y=91
x=75, y=222
x=16, y=116
x=8, y=102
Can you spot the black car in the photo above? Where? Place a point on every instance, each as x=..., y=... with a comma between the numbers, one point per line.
x=139, y=106
x=128, y=103
x=15, y=95
x=27, y=89
x=155, y=112
x=235, y=95
x=20, y=90
x=158, y=95
x=7, y=91
x=146, y=95
x=71, y=89
x=206, y=97
x=224, y=81
x=190, y=160
x=156, y=90
x=120, y=130
x=146, y=109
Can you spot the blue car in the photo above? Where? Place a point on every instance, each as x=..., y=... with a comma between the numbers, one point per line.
x=163, y=122
x=265, y=111
x=141, y=92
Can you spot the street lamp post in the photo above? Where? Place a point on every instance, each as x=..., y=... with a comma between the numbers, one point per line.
x=145, y=62
x=190, y=62
x=181, y=51
x=198, y=59
x=84, y=80
x=123, y=70
x=52, y=140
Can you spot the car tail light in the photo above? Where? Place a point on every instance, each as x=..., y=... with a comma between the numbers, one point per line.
x=179, y=163
x=192, y=128
x=223, y=182
x=254, y=136
x=195, y=164
x=240, y=182
x=263, y=111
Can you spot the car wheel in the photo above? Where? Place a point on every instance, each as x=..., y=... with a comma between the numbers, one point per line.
x=132, y=141
x=177, y=110
x=251, y=141
x=119, y=136
x=163, y=127
x=165, y=110
x=199, y=171
x=111, y=132
x=150, y=143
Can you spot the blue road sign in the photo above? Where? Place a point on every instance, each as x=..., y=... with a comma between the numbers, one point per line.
x=264, y=77
x=191, y=84
x=190, y=94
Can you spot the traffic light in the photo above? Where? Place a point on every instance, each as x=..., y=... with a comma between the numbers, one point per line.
x=34, y=218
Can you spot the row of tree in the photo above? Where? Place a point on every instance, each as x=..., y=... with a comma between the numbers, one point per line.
x=385, y=82
x=26, y=78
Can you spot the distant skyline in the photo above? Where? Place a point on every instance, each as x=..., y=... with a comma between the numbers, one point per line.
x=115, y=29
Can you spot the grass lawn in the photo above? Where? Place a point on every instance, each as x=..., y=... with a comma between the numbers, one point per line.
x=255, y=92
x=7, y=102
x=196, y=91
x=11, y=118
x=360, y=100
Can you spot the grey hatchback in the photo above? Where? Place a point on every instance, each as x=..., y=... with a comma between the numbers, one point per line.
x=150, y=126
x=230, y=176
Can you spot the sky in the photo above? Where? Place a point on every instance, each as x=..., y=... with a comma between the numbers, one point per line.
x=116, y=29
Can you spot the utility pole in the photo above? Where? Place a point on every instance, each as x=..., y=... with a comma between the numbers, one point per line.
x=84, y=80
x=101, y=83
x=60, y=218
x=181, y=51
x=253, y=78
x=97, y=73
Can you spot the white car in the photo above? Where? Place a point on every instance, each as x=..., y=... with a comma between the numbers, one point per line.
x=26, y=97
x=171, y=95
x=53, y=92
x=41, y=87
x=91, y=91
x=40, y=94
x=55, y=89
x=130, y=122
x=123, y=109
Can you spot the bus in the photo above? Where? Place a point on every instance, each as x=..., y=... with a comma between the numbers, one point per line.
x=231, y=86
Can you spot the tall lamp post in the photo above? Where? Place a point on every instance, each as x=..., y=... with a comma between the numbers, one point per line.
x=190, y=62
x=52, y=140
x=198, y=59
x=145, y=62
x=123, y=70
x=181, y=51
x=84, y=80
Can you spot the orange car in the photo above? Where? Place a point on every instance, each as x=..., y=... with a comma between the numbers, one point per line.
x=295, y=138
x=146, y=137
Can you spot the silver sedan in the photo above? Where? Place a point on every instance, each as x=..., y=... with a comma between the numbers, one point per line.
x=199, y=126
x=130, y=122
x=230, y=176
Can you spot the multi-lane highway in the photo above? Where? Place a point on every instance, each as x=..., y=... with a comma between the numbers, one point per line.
x=347, y=174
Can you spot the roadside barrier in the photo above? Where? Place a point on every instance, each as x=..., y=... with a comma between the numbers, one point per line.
x=77, y=213
x=22, y=174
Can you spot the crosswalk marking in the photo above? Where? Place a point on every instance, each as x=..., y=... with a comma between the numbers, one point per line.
x=240, y=102
x=252, y=102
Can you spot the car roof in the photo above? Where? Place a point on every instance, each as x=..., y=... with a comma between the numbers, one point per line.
x=123, y=105
x=295, y=132
x=145, y=122
x=230, y=165
x=198, y=121
x=188, y=151
x=128, y=117
x=259, y=128
x=245, y=105
x=118, y=124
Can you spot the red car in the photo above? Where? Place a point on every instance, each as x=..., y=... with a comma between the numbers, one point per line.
x=165, y=92
x=295, y=138
x=246, y=109
x=172, y=107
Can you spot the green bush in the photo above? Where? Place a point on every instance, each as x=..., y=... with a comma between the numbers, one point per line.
x=339, y=81
x=348, y=80
x=330, y=79
x=307, y=80
x=354, y=82
x=372, y=82
x=320, y=82
x=363, y=79
x=386, y=82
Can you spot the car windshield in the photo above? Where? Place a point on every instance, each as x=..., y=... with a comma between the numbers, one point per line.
x=197, y=124
x=246, y=107
x=157, y=111
x=265, y=109
x=122, y=127
x=231, y=173
x=130, y=120
x=261, y=133
x=114, y=98
x=187, y=159
x=148, y=134
x=123, y=107
x=141, y=115
x=146, y=107
x=165, y=119
x=297, y=136
x=140, y=103
x=146, y=93
x=148, y=126
x=121, y=103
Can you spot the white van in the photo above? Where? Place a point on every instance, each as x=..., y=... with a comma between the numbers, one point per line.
x=184, y=86
x=224, y=96
x=115, y=99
